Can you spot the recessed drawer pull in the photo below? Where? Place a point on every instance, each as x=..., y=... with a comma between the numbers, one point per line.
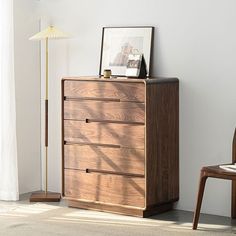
x=113, y=121
x=92, y=144
x=91, y=99
x=127, y=136
x=113, y=173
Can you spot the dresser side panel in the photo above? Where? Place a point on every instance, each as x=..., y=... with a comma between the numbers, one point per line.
x=162, y=143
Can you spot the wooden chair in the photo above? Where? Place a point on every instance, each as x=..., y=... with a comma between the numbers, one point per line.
x=216, y=172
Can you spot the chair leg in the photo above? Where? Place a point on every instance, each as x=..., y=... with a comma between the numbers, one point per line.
x=202, y=183
x=233, y=200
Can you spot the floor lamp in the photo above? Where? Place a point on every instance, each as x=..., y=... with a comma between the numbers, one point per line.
x=44, y=196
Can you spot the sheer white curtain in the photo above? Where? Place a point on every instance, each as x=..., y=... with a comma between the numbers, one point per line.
x=8, y=148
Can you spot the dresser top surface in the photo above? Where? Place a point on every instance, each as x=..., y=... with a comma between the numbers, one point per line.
x=149, y=80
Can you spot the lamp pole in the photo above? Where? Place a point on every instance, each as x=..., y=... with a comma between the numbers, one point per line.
x=49, y=33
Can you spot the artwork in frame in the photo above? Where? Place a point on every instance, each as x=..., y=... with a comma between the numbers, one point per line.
x=119, y=42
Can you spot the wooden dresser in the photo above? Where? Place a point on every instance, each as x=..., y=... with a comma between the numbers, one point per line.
x=120, y=144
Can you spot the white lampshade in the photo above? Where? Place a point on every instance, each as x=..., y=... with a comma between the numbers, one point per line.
x=49, y=33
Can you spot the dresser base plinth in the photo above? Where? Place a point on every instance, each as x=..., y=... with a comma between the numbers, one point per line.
x=119, y=209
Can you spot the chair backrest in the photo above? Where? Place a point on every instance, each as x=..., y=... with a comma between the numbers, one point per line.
x=234, y=147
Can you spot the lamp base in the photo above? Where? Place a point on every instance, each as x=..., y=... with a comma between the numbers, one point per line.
x=45, y=197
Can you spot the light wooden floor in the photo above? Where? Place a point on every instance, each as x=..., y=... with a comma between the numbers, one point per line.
x=24, y=218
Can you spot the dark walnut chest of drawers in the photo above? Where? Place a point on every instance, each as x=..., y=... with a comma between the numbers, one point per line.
x=120, y=144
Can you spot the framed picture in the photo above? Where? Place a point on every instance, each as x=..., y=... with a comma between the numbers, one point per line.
x=134, y=65
x=119, y=42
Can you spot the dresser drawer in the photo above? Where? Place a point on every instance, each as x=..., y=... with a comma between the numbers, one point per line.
x=105, y=90
x=129, y=112
x=120, y=160
x=113, y=189
x=120, y=135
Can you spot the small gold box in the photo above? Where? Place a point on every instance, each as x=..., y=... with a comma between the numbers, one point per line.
x=107, y=73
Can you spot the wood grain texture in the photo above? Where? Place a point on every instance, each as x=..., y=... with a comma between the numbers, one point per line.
x=45, y=197
x=62, y=136
x=116, y=90
x=105, y=188
x=148, y=80
x=46, y=123
x=131, y=136
x=217, y=172
x=106, y=207
x=110, y=111
x=162, y=142
x=120, y=209
x=121, y=131
x=122, y=160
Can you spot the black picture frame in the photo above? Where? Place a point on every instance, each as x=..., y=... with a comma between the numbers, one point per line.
x=120, y=37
